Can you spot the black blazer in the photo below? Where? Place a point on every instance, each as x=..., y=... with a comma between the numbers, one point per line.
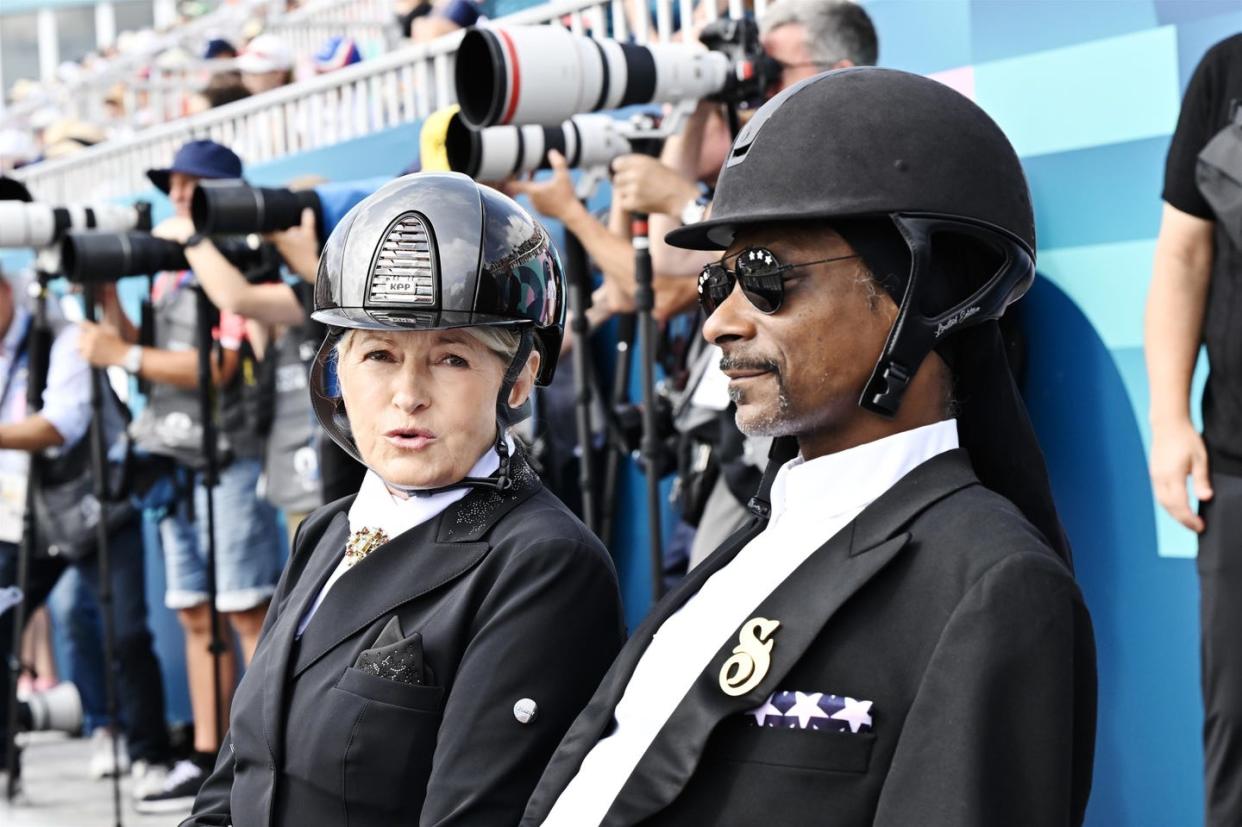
x=513, y=598
x=940, y=604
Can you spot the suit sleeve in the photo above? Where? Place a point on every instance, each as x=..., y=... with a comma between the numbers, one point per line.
x=212, y=805
x=1002, y=729
x=548, y=631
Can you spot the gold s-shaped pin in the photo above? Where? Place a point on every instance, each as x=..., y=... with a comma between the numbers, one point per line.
x=751, y=657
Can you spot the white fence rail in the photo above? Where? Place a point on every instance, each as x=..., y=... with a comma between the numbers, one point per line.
x=399, y=87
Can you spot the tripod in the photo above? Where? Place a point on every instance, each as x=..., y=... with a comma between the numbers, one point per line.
x=204, y=315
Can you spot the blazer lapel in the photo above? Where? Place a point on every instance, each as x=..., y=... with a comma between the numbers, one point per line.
x=323, y=560
x=803, y=604
x=419, y=561
x=595, y=718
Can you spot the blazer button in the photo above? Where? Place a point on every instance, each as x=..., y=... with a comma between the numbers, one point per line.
x=525, y=710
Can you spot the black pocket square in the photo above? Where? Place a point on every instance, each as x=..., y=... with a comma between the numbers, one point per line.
x=394, y=657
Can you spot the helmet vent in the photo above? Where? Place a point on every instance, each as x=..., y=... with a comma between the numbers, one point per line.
x=404, y=270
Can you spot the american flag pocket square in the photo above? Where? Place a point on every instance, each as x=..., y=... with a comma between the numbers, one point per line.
x=812, y=710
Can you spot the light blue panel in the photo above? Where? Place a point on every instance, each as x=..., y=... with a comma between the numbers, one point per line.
x=1108, y=91
x=921, y=36
x=1004, y=28
x=1193, y=39
x=1181, y=11
x=1108, y=282
x=1098, y=195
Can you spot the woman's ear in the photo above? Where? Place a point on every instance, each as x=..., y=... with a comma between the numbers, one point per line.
x=525, y=383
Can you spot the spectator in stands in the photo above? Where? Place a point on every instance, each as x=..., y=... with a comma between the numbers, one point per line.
x=407, y=12
x=337, y=52
x=248, y=547
x=219, y=49
x=266, y=63
x=222, y=89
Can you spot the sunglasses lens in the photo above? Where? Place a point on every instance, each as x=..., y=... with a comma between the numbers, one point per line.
x=761, y=277
x=764, y=292
x=715, y=285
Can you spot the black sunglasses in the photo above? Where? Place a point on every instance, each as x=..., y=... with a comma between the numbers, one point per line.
x=762, y=278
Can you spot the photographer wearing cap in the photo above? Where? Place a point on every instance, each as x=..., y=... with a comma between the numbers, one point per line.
x=1193, y=302
x=897, y=637
x=248, y=549
x=433, y=635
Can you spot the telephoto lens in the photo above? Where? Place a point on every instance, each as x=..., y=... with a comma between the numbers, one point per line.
x=521, y=74
x=226, y=207
x=39, y=225
x=497, y=152
x=106, y=257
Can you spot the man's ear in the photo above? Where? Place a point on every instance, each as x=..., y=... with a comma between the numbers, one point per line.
x=525, y=383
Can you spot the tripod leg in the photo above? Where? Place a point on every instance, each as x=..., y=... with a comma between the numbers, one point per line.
x=616, y=450
x=644, y=298
x=99, y=468
x=579, y=300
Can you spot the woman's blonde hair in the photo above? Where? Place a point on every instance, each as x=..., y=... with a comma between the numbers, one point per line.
x=500, y=340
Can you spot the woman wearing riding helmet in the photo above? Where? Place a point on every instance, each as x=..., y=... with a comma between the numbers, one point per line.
x=433, y=636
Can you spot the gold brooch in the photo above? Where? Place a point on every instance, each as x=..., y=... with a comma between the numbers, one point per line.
x=751, y=657
x=361, y=543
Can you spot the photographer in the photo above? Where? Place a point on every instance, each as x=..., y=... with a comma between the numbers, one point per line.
x=248, y=551
x=59, y=431
x=285, y=341
x=805, y=37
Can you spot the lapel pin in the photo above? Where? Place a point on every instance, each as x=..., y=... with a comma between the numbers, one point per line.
x=751, y=657
x=361, y=543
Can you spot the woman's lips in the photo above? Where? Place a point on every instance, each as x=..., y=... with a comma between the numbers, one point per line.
x=411, y=439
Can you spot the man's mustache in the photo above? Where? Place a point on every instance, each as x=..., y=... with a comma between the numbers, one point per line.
x=749, y=363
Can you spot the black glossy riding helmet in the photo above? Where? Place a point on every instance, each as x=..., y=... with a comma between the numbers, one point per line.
x=903, y=154
x=432, y=251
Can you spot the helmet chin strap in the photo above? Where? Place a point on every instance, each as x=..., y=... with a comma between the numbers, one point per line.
x=506, y=417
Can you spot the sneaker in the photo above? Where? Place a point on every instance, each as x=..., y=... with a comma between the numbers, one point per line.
x=146, y=779
x=180, y=788
x=104, y=762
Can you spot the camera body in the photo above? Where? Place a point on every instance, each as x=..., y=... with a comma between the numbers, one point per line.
x=754, y=71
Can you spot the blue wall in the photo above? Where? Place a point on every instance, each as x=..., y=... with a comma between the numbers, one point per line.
x=1089, y=92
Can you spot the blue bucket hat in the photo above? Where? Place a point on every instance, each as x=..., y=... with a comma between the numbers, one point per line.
x=202, y=159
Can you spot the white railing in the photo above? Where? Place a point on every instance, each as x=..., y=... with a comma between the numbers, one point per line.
x=369, y=22
x=83, y=97
x=396, y=88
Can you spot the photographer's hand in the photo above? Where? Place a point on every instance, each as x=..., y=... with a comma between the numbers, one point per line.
x=101, y=346
x=642, y=184
x=299, y=247
x=554, y=196
x=177, y=228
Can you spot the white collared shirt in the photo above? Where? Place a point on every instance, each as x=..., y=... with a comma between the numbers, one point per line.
x=377, y=507
x=811, y=502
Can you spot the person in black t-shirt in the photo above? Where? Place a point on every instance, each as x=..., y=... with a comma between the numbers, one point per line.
x=1196, y=297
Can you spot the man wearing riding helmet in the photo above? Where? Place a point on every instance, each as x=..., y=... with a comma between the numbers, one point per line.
x=897, y=637
x=434, y=635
